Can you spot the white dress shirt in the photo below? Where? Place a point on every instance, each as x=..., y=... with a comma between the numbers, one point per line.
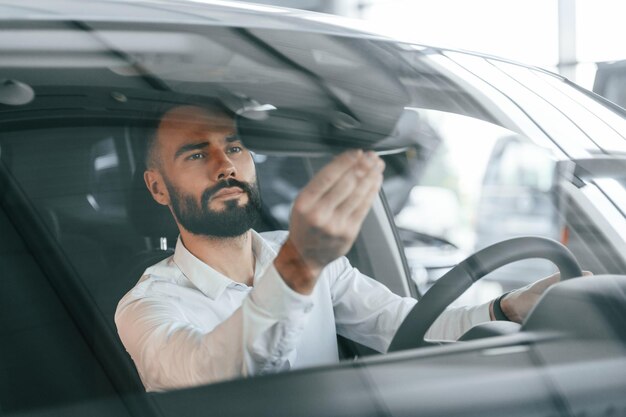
x=186, y=324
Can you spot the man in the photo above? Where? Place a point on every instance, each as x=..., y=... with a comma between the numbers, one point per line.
x=231, y=302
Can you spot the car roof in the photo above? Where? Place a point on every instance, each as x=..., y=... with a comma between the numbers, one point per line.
x=209, y=12
x=213, y=12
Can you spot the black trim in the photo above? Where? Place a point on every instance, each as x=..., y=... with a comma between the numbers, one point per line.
x=413, y=290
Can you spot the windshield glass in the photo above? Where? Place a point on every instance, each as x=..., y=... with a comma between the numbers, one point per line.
x=476, y=151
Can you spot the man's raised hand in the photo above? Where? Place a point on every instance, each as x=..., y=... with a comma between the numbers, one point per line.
x=327, y=216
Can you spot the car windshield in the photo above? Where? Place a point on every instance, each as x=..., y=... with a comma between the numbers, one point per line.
x=477, y=150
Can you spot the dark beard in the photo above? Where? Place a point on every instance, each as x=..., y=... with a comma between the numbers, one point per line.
x=234, y=220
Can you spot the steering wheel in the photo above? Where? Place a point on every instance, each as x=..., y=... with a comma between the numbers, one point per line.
x=450, y=286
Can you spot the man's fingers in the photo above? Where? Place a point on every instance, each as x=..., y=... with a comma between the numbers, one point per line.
x=352, y=185
x=359, y=211
x=328, y=176
x=362, y=193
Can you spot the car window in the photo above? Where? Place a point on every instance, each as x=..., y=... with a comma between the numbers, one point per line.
x=46, y=181
x=481, y=184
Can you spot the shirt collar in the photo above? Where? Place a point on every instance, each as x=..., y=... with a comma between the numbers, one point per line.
x=213, y=283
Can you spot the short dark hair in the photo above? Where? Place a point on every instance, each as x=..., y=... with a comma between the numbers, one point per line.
x=153, y=121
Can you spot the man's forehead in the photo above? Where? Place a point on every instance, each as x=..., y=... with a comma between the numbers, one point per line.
x=195, y=119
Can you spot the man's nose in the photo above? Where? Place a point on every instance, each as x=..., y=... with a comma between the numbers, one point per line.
x=224, y=167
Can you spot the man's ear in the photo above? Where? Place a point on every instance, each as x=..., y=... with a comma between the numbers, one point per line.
x=156, y=186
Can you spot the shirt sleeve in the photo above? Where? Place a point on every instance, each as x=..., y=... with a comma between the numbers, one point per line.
x=369, y=313
x=170, y=352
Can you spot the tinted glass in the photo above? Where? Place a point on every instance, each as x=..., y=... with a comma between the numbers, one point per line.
x=476, y=152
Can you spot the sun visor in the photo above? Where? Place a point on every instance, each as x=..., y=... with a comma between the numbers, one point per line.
x=290, y=132
x=262, y=127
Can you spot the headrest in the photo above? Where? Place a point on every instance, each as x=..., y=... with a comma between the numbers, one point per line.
x=149, y=218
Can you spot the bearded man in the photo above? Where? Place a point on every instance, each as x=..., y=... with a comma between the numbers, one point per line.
x=232, y=302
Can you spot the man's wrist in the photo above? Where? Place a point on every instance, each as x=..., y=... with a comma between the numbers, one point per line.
x=296, y=273
x=496, y=310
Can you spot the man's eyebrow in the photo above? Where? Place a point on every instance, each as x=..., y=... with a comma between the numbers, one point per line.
x=232, y=138
x=190, y=147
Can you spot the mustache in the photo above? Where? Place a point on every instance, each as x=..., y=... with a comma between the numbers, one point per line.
x=231, y=182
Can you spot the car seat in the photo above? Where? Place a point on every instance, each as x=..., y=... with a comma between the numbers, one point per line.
x=155, y=224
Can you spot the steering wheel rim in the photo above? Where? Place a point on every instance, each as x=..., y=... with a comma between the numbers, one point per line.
x=451, y=285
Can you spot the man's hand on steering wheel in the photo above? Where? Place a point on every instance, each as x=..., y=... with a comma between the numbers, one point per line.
x=517, y=304
x=453, y=283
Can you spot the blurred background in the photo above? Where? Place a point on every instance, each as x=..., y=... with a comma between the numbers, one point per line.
x=565, y=36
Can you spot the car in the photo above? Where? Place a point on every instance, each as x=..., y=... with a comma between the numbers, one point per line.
x=610, y=81
x=517, y=199
x=81, y=84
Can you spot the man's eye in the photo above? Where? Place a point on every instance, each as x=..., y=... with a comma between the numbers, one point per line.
x=235, y=149
x=195, y=156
